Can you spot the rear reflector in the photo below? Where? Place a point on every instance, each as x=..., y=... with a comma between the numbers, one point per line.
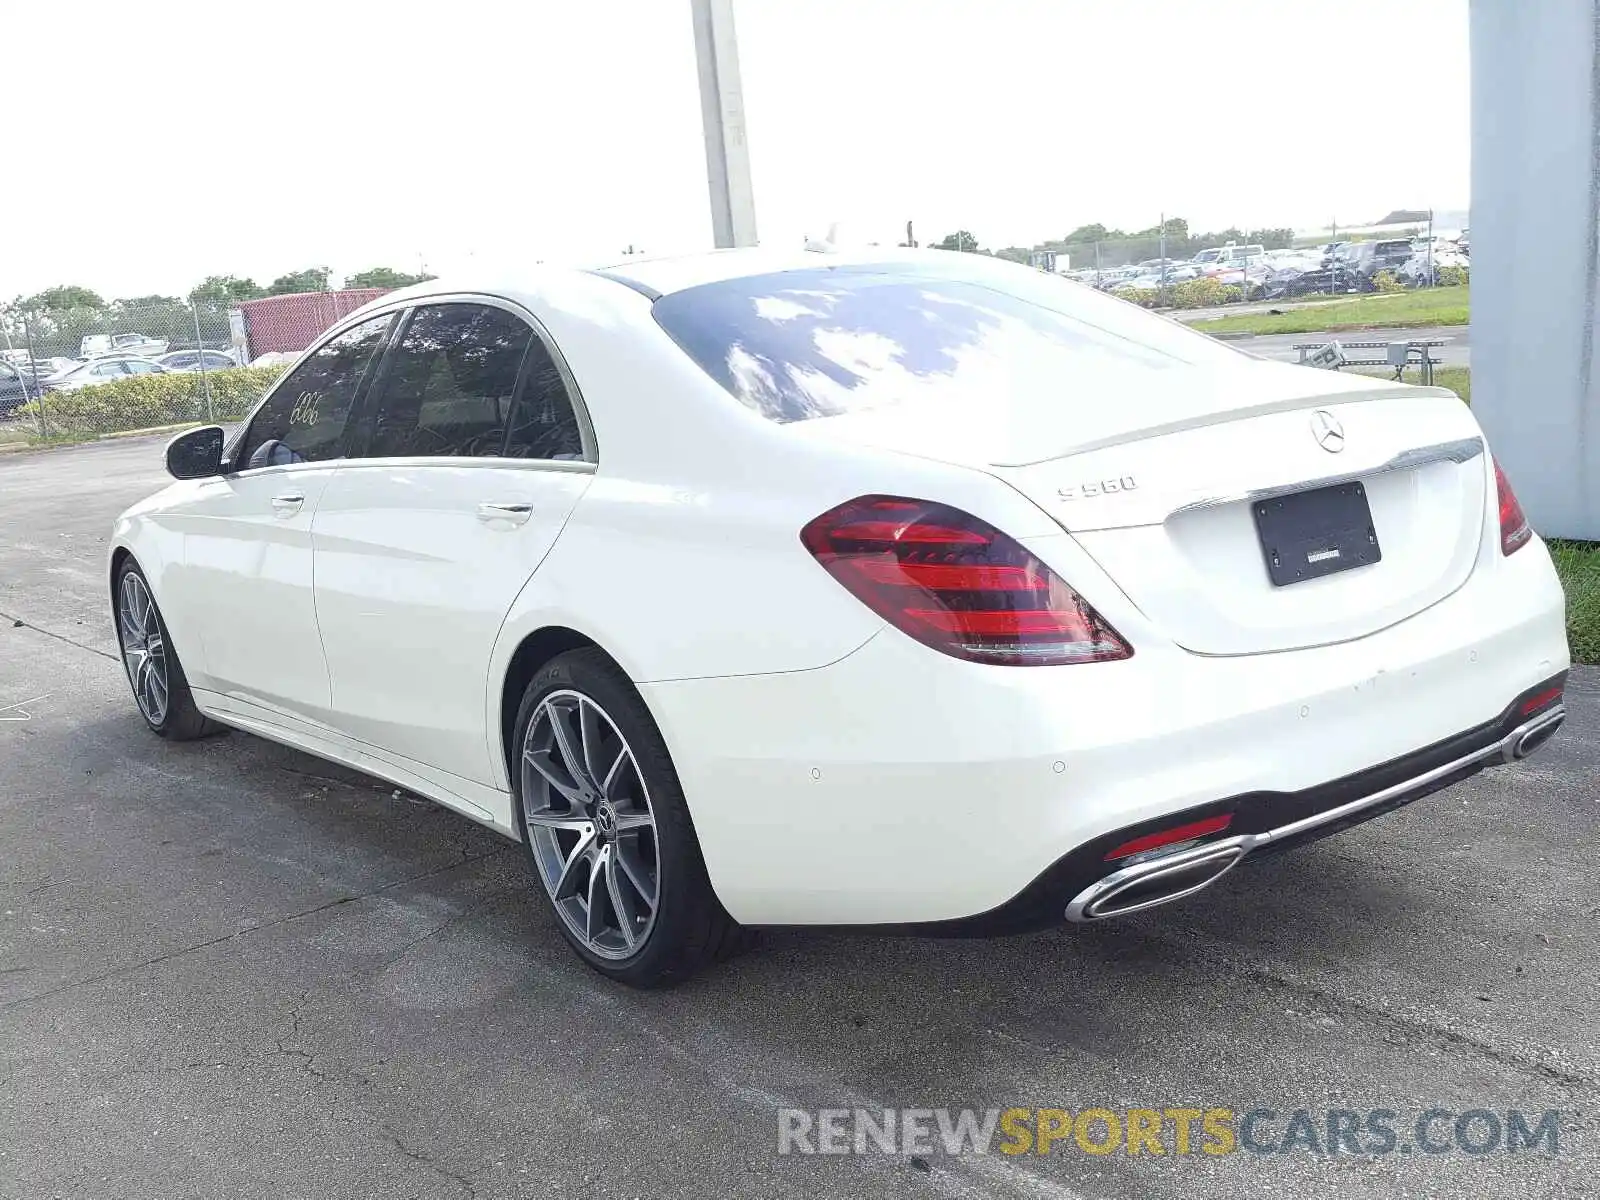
x=1515, y=532
x=1540, y=700
x=1167, y=837
x=958, y=584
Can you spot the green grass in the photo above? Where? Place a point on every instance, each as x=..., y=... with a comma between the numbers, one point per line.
x=1403, y=310
x=1578, y=564
x=1457, y=379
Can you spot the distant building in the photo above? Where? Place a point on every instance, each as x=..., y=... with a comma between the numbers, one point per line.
x=288, y=324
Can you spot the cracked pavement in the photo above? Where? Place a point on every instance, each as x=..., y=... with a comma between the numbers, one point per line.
x=227, y=968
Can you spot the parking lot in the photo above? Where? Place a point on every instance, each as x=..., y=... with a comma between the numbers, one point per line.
x=227, y=968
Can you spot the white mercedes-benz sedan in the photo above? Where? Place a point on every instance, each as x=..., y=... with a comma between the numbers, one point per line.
x=919, y=591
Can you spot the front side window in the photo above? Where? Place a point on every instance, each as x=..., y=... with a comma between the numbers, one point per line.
x=448, y=387
x=141, y=368
x=304, y=418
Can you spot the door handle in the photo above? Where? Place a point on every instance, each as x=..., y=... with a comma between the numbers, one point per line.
x=288, y=504
x=514, y=514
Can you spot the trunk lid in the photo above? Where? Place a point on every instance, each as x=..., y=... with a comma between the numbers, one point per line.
x=1173, y=518
x=1161, y=486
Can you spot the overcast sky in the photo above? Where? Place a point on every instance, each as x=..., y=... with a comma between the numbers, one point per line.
x=158, y=143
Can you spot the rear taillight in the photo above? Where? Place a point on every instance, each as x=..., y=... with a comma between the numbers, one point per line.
x=1515, y=532
x=958, y=584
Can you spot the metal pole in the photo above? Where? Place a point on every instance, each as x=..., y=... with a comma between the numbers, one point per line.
x=1163, y=245
x=733, y=206
x=1430, y=251
x=200, y=353
x=1333, y=240
x=33, y=363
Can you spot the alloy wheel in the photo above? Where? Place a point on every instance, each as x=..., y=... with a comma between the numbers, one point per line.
x=586, y=808
x=144, y=650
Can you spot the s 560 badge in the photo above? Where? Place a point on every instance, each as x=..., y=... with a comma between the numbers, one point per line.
x=1100, y=487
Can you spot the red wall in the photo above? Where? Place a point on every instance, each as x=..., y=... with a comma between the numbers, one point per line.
x=291, y=323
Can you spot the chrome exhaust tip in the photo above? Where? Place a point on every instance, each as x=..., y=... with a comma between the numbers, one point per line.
x=1525, y=740
x=1156, y=881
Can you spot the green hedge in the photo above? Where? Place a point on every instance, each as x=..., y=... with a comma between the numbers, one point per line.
x=146, y=401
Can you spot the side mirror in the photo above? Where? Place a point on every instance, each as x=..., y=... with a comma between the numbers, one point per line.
x=196, y=454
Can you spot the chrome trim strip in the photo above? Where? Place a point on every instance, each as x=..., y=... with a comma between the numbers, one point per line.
x=1463, y=450
x=1097, y=893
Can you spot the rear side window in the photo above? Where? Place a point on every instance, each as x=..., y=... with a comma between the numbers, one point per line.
x=544, y=423
x=979, y=338
x=304, y=418
x=448, y=387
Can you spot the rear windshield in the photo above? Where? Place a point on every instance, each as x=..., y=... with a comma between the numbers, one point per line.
x=819, y=342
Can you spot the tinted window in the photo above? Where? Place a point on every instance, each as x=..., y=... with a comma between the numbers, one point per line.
x=543, y=424
x=140, y=368
x=306, y=413
x=818, y=342
x=447, y=388
x=108, y=370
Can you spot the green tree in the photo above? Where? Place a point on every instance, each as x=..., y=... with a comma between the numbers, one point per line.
x=1273, y=239
x=960, y=240
x=222, y=292
x=387, y=277
x=1089, y=233
x=1016, y=254
x=312, y=279
x=62, y=299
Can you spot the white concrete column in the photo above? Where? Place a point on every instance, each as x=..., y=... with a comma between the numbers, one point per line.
x=733, y=205
x=1536, y=252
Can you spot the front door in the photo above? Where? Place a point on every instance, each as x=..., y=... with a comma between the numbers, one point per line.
x=247, y=550
x=472, y=463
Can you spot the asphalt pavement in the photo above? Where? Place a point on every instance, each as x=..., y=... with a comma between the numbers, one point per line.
x=229, y=969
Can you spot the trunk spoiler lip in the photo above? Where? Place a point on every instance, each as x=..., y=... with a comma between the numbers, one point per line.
x=1291, y=403
x=1459, y=450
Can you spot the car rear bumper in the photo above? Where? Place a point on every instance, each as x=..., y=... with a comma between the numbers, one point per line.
x=900, y=787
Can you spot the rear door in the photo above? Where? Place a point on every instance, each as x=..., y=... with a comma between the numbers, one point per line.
x=473, y=458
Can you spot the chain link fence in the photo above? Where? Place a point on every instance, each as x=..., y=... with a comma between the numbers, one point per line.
x=72, y=373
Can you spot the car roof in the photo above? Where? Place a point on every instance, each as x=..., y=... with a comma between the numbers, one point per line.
x=662, y=276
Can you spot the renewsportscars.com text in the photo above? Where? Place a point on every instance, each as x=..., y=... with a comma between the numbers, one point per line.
x=1174, y=1131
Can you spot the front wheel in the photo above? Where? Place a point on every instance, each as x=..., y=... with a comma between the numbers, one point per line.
x=160, y=688
x=607, y=830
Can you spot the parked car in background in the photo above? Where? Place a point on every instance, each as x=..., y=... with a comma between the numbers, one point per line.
x=16, y=388
x=101, y=370
x=190, y=360
x=1233, y=255
x=95, y=345
x=1361, y=261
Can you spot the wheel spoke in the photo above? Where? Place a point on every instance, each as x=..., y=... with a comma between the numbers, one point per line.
x=637, y=874
x=571, y=756
x=614, y=774
x=567, y=882
x=630, y=822
x=540, y=761
x=589, y=737
x=593, y=926
x=623, y=913
x=549, y=818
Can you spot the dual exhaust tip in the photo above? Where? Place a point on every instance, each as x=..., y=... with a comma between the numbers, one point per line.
x=1183, y=872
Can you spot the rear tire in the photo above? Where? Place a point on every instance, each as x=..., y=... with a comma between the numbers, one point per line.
x=160, y=688
x=607, y=831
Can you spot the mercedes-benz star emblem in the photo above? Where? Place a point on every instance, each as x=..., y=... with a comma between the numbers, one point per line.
x=606, y=818
x=1326, y=429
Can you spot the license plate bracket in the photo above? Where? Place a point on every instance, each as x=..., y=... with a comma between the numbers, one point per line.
x=1310, y=534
